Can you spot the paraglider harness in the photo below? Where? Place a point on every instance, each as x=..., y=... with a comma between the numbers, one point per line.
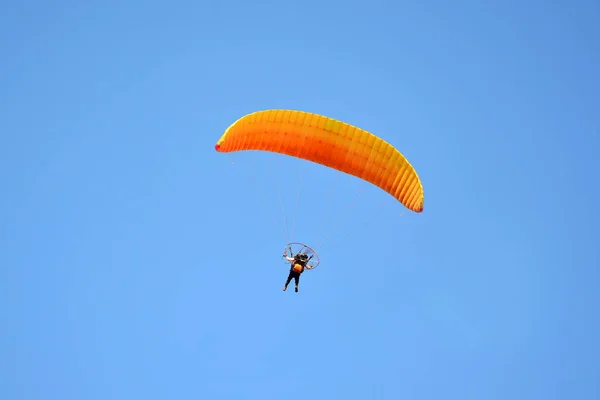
x=301, y=259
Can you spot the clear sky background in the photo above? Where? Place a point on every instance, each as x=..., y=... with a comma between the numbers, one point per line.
x=139, y=263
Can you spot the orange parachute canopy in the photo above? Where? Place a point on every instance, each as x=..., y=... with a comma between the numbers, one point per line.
x=331, y=143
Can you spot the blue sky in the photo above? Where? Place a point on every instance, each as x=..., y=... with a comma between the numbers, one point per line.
x=137, y=262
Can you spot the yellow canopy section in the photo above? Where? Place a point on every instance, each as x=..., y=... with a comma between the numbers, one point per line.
x=331, y=143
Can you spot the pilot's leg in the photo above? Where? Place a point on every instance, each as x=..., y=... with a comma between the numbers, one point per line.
x=297, y=279
x=287, y=282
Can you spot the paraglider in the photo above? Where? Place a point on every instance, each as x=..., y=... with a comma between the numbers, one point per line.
x=304, y=258
x=331, y=143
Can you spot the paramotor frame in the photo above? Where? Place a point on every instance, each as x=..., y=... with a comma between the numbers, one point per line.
x=293, y=248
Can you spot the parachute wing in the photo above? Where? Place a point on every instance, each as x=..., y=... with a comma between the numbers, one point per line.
x=331, y=143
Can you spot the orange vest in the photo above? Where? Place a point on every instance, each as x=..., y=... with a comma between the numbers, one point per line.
x=298, y=268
